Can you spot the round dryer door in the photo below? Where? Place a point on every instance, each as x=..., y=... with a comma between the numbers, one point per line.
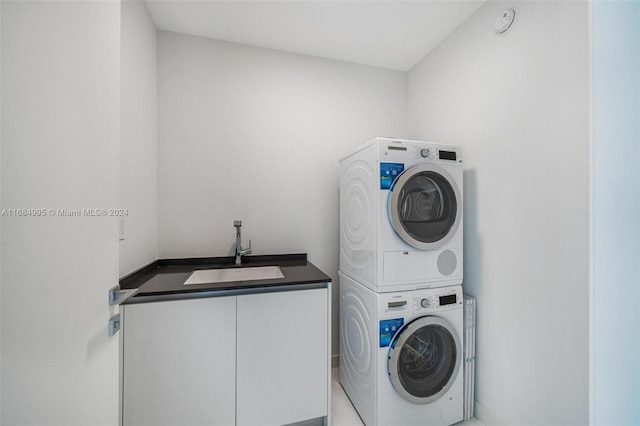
x=424, y=359
x=424, y=206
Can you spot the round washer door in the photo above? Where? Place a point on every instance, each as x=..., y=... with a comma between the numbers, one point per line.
x=424, y=206
x=424, y=359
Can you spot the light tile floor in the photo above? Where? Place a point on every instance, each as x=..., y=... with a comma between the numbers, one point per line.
x=343, y=413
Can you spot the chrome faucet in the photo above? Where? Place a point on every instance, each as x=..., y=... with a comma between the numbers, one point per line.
x=239, y=250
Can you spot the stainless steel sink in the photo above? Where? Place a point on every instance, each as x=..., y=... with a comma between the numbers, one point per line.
x=212, y=276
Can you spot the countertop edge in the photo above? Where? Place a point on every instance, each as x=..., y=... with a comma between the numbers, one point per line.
x=227, y=292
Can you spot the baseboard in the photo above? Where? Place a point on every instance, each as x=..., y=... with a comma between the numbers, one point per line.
x=335, y=361
x=486, y=417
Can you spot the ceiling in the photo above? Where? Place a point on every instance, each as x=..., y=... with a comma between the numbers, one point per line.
x=386, y=33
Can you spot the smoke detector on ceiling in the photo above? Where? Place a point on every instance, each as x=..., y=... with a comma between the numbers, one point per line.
x=505, y=21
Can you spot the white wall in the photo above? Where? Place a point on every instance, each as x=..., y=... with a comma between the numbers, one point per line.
x=60, y=114
x=518, y=104
x=1, y=206
x=255, y=134
x=615, y=213
x=138, y=136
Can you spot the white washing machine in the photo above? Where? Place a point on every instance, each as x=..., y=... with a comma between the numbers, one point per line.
x=401, y=354
x=401, y=215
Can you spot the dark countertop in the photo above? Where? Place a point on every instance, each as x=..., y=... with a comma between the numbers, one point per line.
x=164, y=279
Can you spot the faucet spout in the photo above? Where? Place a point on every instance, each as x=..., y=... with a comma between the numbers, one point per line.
x=240, y=251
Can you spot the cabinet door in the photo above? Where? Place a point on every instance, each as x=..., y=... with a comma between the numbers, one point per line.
x=283, y=357
x=179, y=362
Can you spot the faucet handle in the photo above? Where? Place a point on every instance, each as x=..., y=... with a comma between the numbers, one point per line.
x=245, y=250
x=237, y=223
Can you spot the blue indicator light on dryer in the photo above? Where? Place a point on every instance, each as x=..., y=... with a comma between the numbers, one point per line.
x=388, y=173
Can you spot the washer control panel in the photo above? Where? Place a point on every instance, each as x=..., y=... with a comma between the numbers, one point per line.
x=410, y=151
x=445, y=298
x=405, y=304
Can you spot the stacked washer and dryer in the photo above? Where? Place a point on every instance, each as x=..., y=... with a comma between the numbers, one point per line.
x=401, y=300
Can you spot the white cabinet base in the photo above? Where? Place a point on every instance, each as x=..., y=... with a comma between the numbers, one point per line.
x=282, y=357
x=179, y=362
x=249, y=359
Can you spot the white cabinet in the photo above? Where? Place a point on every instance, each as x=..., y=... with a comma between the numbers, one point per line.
x=282, y=357
x=179, y=362
x=251, y=359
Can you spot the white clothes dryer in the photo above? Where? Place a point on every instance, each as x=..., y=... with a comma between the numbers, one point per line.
x=401, y=354
x=401, y=215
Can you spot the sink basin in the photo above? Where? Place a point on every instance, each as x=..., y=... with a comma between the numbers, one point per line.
x=212, y=276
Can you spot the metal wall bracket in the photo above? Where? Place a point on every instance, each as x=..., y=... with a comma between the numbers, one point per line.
x=117, y=296
x=114, y=324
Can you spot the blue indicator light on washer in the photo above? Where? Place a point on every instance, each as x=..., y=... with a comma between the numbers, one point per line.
x=388, y=173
